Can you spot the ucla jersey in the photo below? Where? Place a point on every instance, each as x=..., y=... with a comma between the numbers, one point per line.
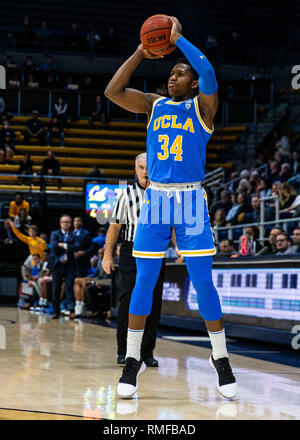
x=176, y=142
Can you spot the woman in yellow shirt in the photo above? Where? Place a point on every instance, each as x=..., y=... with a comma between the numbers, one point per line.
x=36, y=244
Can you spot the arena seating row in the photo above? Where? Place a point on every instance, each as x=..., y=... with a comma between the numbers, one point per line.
x=113, y=147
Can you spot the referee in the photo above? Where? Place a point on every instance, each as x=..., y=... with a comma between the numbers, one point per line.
x=126, y=212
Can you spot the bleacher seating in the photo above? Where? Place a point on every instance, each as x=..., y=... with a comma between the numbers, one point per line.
x=113, y=147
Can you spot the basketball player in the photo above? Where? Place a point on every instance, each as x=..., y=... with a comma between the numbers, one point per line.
x=177, y=133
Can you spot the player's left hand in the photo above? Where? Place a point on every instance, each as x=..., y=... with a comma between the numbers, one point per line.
x=176, y=30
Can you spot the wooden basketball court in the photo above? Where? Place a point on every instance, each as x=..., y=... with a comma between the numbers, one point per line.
x=66, y=370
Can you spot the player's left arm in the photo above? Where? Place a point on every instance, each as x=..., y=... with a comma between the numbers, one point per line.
x=207, y=83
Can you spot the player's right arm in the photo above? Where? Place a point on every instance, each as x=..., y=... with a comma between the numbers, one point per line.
x=131, y=99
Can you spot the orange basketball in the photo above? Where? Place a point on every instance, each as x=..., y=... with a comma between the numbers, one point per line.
x=155, y=35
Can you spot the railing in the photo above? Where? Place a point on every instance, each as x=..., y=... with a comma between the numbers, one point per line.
x=214, y=177
x=262, y=223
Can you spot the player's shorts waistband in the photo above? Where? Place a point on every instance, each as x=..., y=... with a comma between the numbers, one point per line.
x=175, y=186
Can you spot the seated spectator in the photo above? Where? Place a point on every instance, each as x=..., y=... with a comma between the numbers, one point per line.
x=254, y=180
x=23, y=221
x=34, y=128
x=285, y=172
x=44, y=281
x=10, y=63
x=101, y=236
x=287, y=195
x=2, y=108
x=55, y=131
x=61, y=109
x=270, y=247
x=274, y=193
x=44, y=237
x=245, y=174
x=244, y=186
x=283, y=243
x=7, y=131
x=283, y=146
x=252, y=233
x=31, y=81
x=226, y=248
x=274, y=172
x=29, y=66
x=294, y=163
x=293, y=210
x=16, y=205
x=262, y=189
x=25, y=168
x=254, y=215
x=50, y=66
x=219, y=218
x=96, y=172
x=7, y=147
x=74, y=37
x=99, y=114
x=233, y=182
x=235, y=206
x=278, y=157
x=50, y=167
x=43, y=36
x=295, y=248
x=50, y=82
x=93, y=39
x=225, y=203
x=243, y=208
x=70, y=84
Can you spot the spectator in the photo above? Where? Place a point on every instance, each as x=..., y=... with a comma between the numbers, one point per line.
x=2, y=108
x=295, y=248
x=32, y=281
x=278, y=157
x=50, y=82
x=226, y=248
x=274, y=172
x=31, y=81
x=96, y=172
x=270, y=247
x=88, y=84
x=50, y=66
x=254, y=215
x=29, y=66
x=85, y=250
x=16, y=205
x=7, y=131
x=211, y=46
x=60, y=110
x=219, y=218
x=64, y=244
x=254, y=180
x=261, y=160
x=245, y=174
x=235, y=206
x=293, y=210
x=233, y=184
x=236, y=49
x=23, y=221
x=7, y=146
x=252, y=234
x=100, y=239
x=262, y=189
x=283, y=146
x=55, y=131
x=34, y=129
x=10, y=62
x=44, y=237
x=25, y=168
x=287, y=195
x=93, y=39
x=294, y=163
x=74, y=38
x=43, y=36
x=50, y=167
x=225, y=203
x=99, y=113
x=243, y=186
x=283, y=243
x=285, y=172
x=243, y=207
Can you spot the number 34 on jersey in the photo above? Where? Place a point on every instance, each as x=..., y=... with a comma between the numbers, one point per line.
x=166, y=149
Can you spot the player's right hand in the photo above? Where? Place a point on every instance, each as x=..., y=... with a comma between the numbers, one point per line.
x=147, y=54
x=108, y=264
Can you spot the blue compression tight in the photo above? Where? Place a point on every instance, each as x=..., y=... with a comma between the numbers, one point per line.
x=200, y=271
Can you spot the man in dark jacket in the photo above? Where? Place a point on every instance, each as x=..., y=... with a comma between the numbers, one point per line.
x=34, y=128
x=64, y=243
x=86, y=248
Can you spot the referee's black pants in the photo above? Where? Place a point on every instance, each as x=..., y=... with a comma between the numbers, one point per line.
x=127, y=269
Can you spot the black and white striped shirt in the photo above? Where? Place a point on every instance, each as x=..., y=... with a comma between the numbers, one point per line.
x=127, y=210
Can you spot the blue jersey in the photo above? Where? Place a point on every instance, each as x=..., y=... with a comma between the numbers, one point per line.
x=176, y=142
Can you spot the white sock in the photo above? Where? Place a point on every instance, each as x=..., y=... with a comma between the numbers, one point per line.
x=218, y=343
x=134, y=342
